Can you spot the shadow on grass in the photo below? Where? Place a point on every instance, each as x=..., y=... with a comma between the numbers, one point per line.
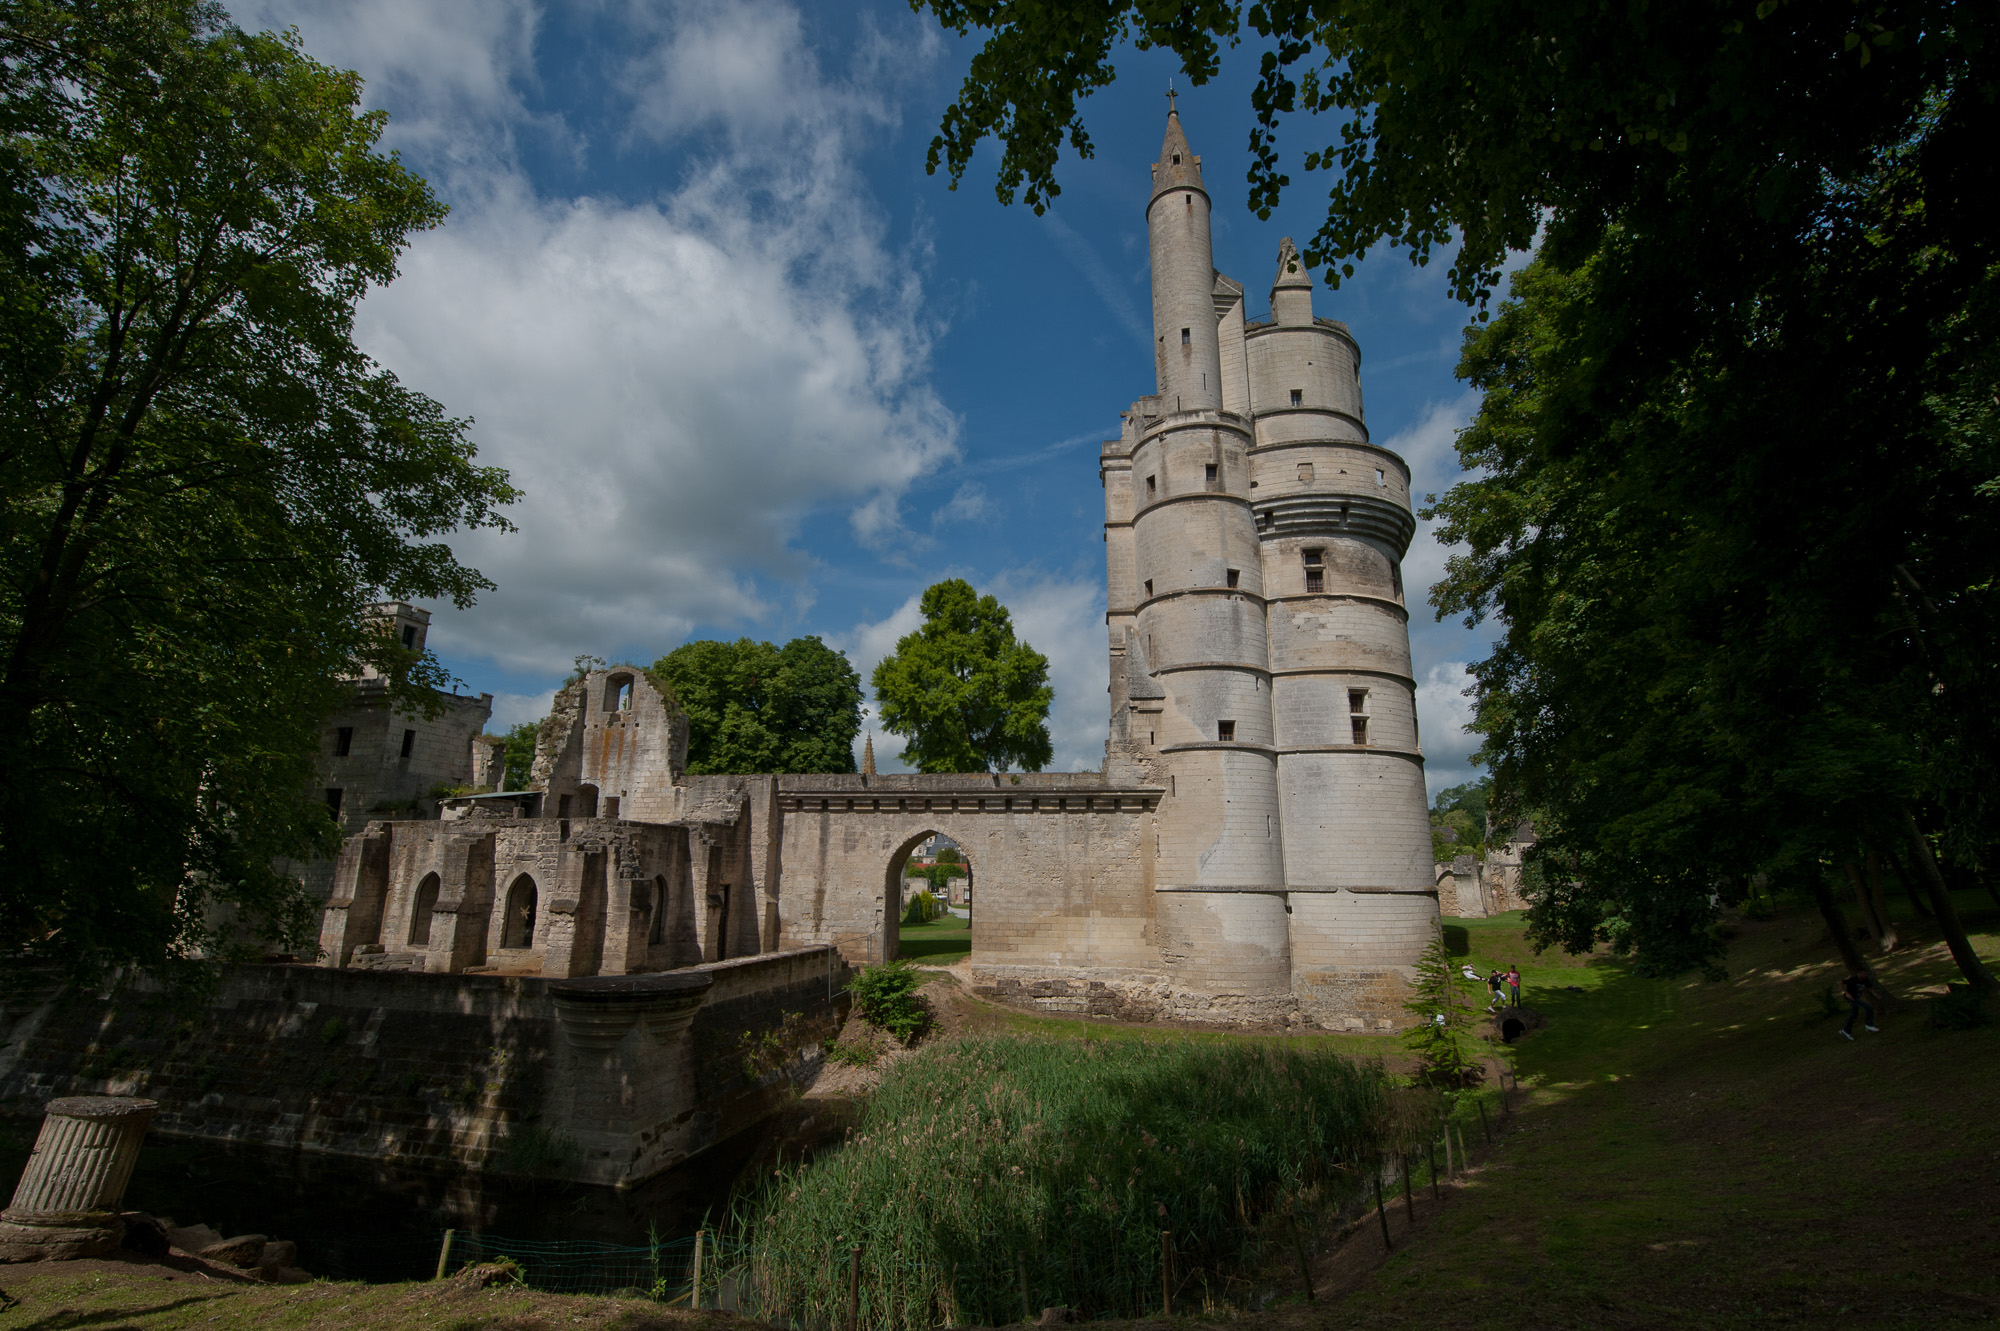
x=949, y=949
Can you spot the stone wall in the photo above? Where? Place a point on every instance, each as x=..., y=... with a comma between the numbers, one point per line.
x=507, y=1073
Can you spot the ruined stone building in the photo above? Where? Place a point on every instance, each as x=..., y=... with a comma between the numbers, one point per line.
x=1256, y=846
x=378, y=762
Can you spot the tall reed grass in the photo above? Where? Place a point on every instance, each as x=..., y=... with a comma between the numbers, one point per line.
x=990, y=1178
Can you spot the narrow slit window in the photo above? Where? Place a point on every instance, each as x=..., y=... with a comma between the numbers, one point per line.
x=343, y=741
x=1152, y=486
x=1235, y=576
x=333, y=798
x=1186, y=340
x=1225, y=730
x=1209, y=476
x=1298, y=397
x=1149, y=592
x=409, y=742
x=410, y=637
x=1378, y=477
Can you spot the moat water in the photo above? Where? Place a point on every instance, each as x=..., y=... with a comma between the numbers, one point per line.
x=359, y=1220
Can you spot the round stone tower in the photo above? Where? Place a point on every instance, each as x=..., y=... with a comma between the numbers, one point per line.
x=1260, y=645
x=1334, y=521
x=1220, y=874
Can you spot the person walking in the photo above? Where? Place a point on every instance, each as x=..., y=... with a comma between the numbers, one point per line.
x=1514, y=984
x=1856, y=987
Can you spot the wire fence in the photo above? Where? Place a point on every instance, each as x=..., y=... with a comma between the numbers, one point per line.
x=669, y=1271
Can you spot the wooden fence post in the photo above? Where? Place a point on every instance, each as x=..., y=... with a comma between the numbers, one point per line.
x=444, y=1252
x=1166, y=1273
x=1021, y=1268
x=854, y=1289
x=1381, y=1207
x=694, y=1294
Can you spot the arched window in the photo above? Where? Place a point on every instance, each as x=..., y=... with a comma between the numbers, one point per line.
x=618, y=693
x=421, y=911
x=518, y=929
x=656, y=932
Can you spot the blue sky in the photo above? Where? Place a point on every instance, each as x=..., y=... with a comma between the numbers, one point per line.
x=759, y=375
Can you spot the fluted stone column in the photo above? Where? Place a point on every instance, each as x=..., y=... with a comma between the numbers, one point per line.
x=66, y=1204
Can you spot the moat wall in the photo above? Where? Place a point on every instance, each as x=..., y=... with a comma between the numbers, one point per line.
x=596, y=1081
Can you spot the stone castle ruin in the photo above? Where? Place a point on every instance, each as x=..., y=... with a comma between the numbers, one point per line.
x=1256, y=847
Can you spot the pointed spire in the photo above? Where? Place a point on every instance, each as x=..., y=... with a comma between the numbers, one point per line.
x=1178, y=167
x=868, y=755
x=1291, y=289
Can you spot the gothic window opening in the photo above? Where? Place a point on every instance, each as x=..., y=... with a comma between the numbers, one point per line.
x=618, y=693
x=422, y=910
x=518, y=928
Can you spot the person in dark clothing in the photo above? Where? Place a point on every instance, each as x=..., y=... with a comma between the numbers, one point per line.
x=1856, y=987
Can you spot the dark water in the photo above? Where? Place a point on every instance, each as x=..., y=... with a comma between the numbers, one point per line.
x=358, y=1220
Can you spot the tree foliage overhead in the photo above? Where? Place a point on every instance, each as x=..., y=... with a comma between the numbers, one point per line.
x=755, y=707
x=963, y=691
x=203, y=482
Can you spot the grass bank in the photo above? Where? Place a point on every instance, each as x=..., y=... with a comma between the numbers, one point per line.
x=940, y=943
x=993, y=1176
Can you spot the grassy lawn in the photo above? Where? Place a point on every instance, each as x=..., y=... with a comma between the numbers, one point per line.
x=939, y=943
x=1686, y=1154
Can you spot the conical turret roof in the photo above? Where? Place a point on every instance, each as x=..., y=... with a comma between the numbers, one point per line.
x=1291, y=269
x=1178, y=167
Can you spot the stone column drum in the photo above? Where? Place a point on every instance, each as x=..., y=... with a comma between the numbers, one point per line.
x=66, y=1204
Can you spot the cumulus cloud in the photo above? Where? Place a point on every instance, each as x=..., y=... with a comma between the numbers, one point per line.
x=1061, y=619
x=675, y=383
x=1444, y=710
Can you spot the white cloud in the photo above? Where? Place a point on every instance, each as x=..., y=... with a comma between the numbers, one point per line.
x=1443, y=712
x=1429, y=446
x=511, y=709
x=1063, y=620
x=675, y=383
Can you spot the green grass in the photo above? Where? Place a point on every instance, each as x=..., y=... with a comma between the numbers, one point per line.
x=989, y=1176
x=939, y=943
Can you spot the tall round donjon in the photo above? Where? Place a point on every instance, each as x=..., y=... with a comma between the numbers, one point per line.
x=1260, y=644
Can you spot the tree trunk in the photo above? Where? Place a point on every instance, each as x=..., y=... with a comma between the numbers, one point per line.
x=1968, y=961
x=1889, y=938
x=1903, y=876
x=1836, y=923
x=1868, y=918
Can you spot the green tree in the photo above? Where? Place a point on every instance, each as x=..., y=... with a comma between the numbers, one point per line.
x=518, y=755
x=1443, y=1017
x=949, y=855
x=1743, y=413
x=965, y=693
x=754, y=707
x=203, y=481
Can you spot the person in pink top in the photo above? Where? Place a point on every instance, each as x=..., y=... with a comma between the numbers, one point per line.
x=1514, y=984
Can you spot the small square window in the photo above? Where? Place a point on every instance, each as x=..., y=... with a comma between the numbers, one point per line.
x=343, y=741
x=1312, y=555
x=1315, y=580
x=1298, y=397
x=1185, y=340
x=409, y=742
x=1306, y=472
x=1225, y=730
x=1360, y=730
x=1235, y=576
x=1357, y=701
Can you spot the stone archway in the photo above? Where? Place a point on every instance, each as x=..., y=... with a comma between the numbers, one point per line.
x=895, y=888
